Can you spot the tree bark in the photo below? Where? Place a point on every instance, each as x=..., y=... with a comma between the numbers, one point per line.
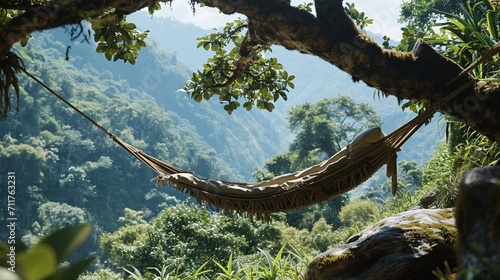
x=422, y=75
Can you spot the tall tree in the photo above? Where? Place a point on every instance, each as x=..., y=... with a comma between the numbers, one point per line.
x=330, y=34
x=422, y=12
x=328, y=125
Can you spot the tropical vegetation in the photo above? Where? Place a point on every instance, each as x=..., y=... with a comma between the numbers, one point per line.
x=72, y=173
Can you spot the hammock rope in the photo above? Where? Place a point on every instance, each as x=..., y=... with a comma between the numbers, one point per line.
x=331, y=178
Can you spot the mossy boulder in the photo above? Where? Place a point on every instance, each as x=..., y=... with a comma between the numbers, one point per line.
x=409, y=245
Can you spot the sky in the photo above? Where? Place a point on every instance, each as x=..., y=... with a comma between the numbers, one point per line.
x=383, y=12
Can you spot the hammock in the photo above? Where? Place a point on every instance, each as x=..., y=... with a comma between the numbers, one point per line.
x=333, y=177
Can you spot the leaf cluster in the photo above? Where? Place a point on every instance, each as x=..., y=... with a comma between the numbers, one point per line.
x=359, y=17
x=118, y=40
x=472, y=34
x=231, y=76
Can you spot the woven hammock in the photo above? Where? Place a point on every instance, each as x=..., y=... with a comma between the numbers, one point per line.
x=333, y=177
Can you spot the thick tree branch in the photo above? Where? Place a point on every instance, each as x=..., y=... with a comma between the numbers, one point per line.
x=422, y=75
x=55, y=15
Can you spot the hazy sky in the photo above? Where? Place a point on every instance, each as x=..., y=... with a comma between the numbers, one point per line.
x=383, y=12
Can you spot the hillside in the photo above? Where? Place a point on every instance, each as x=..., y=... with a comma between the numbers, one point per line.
x=67, y=170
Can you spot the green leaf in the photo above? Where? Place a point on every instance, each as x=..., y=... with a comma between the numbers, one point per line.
x=264, y=90
x=228, y=108
x=39, y=262
x=129, y=26
x=66, y=240
x=262, y=77
x=24, y=41
x=108, y=54
x=110, y=40
x=131, y=59
x=269, y=106
x=283, y=95
x=248, y=105
x=235, y=104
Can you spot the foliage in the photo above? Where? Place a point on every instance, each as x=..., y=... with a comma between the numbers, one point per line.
x=101, y=274
x=420, y=12
x=182, y=240
x=469, y=29
x=306, y=6
x=445, y=170
x=321, y=237
x=115, y=37
x=56, y=215
x=232, y=74
x=359, y=213
x=277, y=267
x=328, y=125
x=55, y=152
x=132, y=217
x=472, y=32
x=166, y=272
x=285, y=264
x=359, y=18
x=187, y=236
x=477, y=150
x=43, y=259
x=118, y=40
x=296, y=238
x=227, y=272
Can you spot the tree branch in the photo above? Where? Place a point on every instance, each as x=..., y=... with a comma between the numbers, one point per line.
x=422, y=75
x=56, y=15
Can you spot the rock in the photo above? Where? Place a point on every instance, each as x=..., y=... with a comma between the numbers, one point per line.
x=409, y=245
x=478, y=223
x=427, y=200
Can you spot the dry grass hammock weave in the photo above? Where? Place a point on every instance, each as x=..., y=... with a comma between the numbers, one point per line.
x=337, y=175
